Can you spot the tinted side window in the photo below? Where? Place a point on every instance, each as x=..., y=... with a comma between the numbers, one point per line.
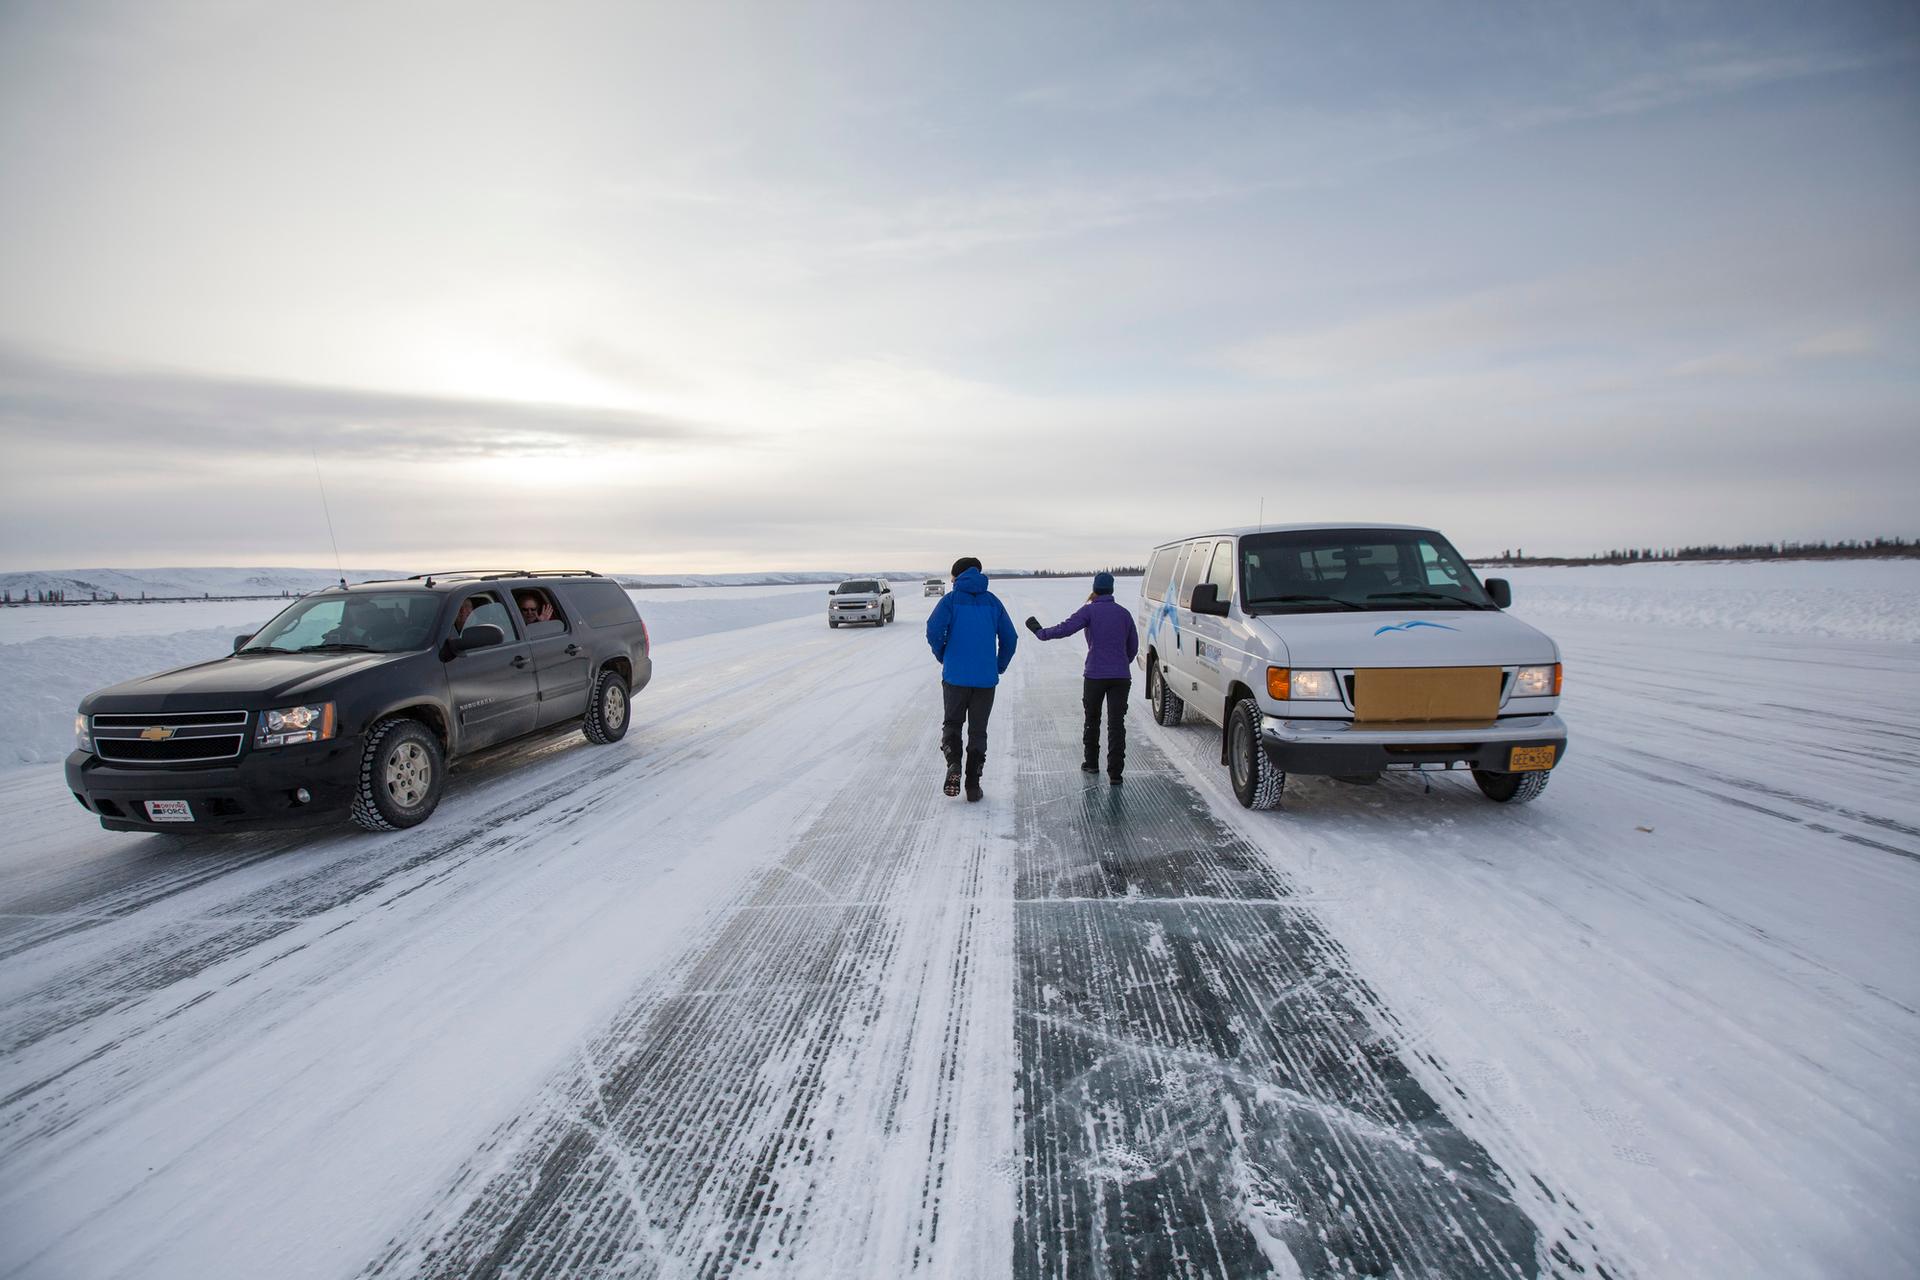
x=1193, y=571
x=1221, y=574
x=598, y=604
x=1159, y=573
x=487, y=608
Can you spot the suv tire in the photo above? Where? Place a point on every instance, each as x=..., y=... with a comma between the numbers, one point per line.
x=608, y=710
x=402, y=772
x=1167, y=706
x=1512, y=788
x=1257, y=783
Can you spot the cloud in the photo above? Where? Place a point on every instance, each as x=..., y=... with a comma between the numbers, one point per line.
x=228, y=418
x=1856, y=341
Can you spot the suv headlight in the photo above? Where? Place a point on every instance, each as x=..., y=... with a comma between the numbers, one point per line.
x=82, y=736
x=286, y=726
x=1537, y=682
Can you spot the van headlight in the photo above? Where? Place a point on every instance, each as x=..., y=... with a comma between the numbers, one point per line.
x=82, y=736
x=1537, y=682
x=288, y=726
x=1302, y=686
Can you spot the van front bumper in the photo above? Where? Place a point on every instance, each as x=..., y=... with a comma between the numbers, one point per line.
x=1339, y=747
x=256, y=792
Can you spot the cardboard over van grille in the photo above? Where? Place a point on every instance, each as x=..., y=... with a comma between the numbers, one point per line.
x=1402, y=695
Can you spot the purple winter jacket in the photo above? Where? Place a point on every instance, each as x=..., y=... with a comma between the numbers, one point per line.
x=1112, y=640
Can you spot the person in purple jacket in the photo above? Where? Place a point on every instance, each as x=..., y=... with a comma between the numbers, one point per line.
x=1112, y=644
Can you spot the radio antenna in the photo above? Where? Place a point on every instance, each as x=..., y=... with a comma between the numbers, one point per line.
x=328, y=512
x=1263, y=515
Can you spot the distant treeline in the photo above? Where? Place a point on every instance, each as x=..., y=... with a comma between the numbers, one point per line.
x=1118, y=571
x=1845, y=549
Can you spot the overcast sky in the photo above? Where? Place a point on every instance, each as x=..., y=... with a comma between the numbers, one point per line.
x=710, y=286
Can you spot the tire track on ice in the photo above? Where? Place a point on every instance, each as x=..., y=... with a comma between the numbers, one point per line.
x=808, y=1085
x=1206, y=1087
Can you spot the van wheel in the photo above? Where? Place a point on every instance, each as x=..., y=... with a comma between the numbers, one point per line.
x=402, y=772
x=1166, y=704
x=1257, y=784
x=1512, y=788
x=608, y=710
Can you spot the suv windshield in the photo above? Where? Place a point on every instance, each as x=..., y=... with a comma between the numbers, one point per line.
x=1329, y=570
x=382, y=622
x=857, y=585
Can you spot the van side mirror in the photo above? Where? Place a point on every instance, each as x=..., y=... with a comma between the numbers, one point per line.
x=1501, y=591
x=239, y=642
x=1206, y=599
x=478, y=635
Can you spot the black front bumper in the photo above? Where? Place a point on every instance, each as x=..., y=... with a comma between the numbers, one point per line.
x=256, y=792
x=1337, y=748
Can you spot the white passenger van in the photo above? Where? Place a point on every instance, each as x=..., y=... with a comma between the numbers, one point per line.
x=1347, y=650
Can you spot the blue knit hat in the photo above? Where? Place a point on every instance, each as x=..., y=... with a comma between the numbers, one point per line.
x=1103, y=584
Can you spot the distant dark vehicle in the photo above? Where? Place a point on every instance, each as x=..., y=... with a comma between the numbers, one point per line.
x=352, y=701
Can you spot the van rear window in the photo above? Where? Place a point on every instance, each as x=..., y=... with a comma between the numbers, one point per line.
x=1159, y=571
x=598, y=604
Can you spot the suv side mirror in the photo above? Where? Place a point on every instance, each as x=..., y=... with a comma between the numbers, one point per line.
x=1206, y=599
x=1501, y=592
x=478, y=635
x=239, y=641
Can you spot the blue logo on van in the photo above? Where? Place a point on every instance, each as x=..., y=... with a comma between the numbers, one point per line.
x=1166, y=613
x=1408, y=626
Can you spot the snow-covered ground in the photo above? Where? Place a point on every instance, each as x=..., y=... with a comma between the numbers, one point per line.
x=745, y=991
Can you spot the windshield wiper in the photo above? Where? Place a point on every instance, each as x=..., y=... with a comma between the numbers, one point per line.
x=335, y=646
x=1425, y=595
x=262, y=648
x=1305, y=599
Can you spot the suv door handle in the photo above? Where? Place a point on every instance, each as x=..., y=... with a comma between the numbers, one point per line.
x=573, y=651
x=519, y=659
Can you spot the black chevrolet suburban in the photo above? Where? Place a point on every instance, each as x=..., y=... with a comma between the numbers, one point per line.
x=353, y=700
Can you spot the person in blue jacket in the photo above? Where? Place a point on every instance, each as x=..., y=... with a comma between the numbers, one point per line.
x=972, y=636
x=1112, y=644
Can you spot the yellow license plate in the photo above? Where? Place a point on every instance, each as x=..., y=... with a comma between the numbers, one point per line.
x=1526, y=758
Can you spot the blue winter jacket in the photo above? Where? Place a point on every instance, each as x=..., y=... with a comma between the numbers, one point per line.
x=971, y=634
x=1112, y=640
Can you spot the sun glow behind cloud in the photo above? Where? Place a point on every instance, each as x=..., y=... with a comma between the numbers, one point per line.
x=708, y=286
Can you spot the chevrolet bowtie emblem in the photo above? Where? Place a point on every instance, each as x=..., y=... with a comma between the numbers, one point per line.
x=158, y=733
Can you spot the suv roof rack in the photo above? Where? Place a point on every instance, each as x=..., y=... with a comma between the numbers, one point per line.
x=477, y=575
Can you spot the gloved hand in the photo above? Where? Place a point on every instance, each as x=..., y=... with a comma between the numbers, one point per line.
x=1033, y=624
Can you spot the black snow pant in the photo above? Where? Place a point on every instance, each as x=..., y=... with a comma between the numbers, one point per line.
x=1114, y=694
x=964, y=702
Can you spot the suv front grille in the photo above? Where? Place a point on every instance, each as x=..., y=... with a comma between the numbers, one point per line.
x=189, y=736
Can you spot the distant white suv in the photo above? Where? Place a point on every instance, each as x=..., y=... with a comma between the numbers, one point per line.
x=860, y=600
x=934, y=587
x=1348, y=650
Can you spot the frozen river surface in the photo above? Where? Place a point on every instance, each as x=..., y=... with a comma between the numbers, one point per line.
x=746, y=993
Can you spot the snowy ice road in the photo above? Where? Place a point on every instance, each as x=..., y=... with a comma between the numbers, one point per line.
x=746, y=993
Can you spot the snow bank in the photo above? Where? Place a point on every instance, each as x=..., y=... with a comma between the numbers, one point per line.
x=50, y=658
x=1844, y=599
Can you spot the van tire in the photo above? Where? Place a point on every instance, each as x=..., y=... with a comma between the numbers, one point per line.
x=1257, y=782
x=1512, y=788
x=402, y=759
x=609, y=711
x=1167, y=706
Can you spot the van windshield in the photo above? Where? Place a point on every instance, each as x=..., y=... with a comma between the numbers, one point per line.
x=1331, y=570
